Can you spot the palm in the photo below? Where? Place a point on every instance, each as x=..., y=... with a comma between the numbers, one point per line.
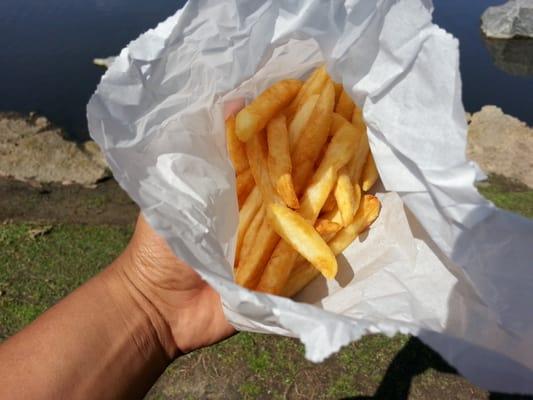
x=190, y=306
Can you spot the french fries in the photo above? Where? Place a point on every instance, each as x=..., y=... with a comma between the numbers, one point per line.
x=279, y=160
x=300, y=234
x=345, y=196
x=345, y=105
x=338, y=153
x=236, y=151
x=327, y=227
x=370, y=174
x=304, y=273
x=301, y=118
x=310, y=143
x=245, y=184
x=253, y=118
x=314, y=85
x=302, y=160
x=246, y=215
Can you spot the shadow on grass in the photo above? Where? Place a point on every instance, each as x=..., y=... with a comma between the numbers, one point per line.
x=412, y=360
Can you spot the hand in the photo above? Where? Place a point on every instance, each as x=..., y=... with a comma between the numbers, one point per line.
x=190, y=309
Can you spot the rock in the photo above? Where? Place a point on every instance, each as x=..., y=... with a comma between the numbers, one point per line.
x=513, y=56
x=104, y=62
x=32, y=149
x=512, y=19
x=41, y=122
x=501, y=144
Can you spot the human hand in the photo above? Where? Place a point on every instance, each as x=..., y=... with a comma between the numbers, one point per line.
x=190, y=311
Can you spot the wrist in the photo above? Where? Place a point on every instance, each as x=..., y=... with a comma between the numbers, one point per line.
x=150, y=331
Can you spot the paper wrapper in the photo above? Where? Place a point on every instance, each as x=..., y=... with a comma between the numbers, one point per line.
x=440, y=262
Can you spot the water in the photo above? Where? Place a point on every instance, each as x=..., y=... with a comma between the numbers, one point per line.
x=47, y=48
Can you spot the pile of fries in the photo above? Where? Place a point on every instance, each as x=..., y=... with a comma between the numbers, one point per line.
x=303, y=164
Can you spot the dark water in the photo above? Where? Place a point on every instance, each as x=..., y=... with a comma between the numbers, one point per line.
x=47, y=47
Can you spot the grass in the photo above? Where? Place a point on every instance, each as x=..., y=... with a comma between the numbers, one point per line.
x=508, y=194
x=36, y=272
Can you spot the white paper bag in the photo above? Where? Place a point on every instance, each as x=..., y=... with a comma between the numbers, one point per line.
x=440, y=262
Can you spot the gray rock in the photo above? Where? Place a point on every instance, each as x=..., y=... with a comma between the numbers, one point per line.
x=501, y=144
x=31, y=149
x=512, y=19
x=513, y=56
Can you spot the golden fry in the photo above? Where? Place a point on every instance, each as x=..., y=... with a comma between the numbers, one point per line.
x=303, y=272
x=368, y=211
x=355, y=166
x=246, y=215
x=250, y=268
x=338, y=153
x=275, y=273
x=236, y=151
x=313, y=138
x=330, y=203
x=338, y=91
x=345, y=196
x=326, y=227
x=245, y=184
x=313, y=85
x=301, y=235
x=254, y=117
x=279, y=160
x=357, y=196
x=256, y=150
x=301, y=118
x=307, y=140
x=345, y=105
x=370, y=173
x=248, y=241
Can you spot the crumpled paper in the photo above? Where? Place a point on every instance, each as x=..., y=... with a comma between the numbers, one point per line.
x=441, y=262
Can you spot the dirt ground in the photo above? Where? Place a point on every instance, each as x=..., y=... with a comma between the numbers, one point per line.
x=87, y=228
x=74, y=204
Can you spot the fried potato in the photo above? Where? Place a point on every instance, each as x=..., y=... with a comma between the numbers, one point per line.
x=236, y=151
x=300, y=234
x=276, y=272
x=305, y=140
x=303, y=273
x=313, y=85
x=368, y=211
x=313, y=138
x=245, y=184
x=370, y=173
x=250, y=268
x=265, y=239
x=345, y=196
x=345, y=105
x=338, y=91
x=330, y=203
x=254, y=117
x=326, y=227
x=248, y=241
x=301, y=118
x=357, y=196
x=256, y=150
x=356, y=165
x=246, y=215
x=279, y=160
x=338, y=153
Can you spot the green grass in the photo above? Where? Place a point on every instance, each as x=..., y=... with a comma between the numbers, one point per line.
x=35, y=273
x=509, y=195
